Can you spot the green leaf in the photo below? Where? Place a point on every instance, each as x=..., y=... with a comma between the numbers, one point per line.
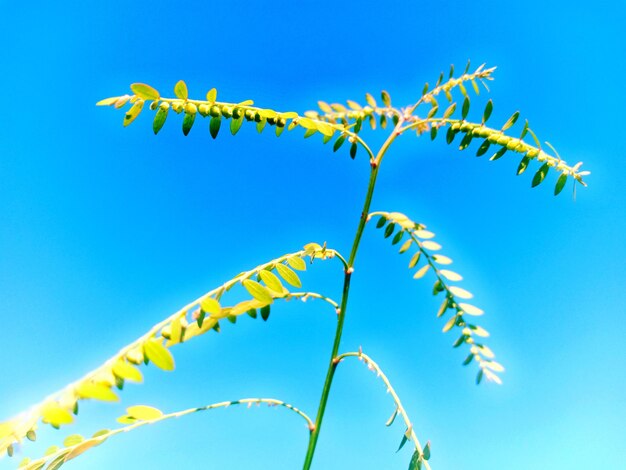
x=353, y=149
x=127, y=371
x=97, y=391
x=159, y=118
x=466, y=141
x=389, y=229
x=31, y=435
x=483, y=149
x=560, y=183
x=188, y=122
x=433, y=132
x=397, y=237
x=432, y=112
x=415, y=259
x=479, y=376
x=511, y=121
x=405, y=438
x=261, y=125
x=450, y=134
x=425, y=89
x=540, y=175
x=524, y=130
x=297, y=263
x=392, y=418
x=381, y=221
x=143, y=412
x=358, y=125
x=271, y=280
x=427, y=451
x=416, y=462
x=180, y=90
x=265, y=312
x=498, y=154
x=144, y=91
x=133, y=112
x=523, y=165
x=488, y=110
x=466, y=107
x=258, y=291
x=252, y=313
x=288, y=275
x=339, y=142
x=386, y=98
x=235, y=125
x=214, y=125
x=158, y=354
x=211, y=96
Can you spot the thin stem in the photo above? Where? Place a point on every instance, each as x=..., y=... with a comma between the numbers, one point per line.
x=375, y=165
x=74, y=451
x=400, y=409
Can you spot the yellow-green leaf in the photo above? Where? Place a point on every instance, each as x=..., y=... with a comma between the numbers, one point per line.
x=54, y=414
x=143, y=412
x=133, y=112
x=259, y=292
x=297, y=263
x=449, y=324
x=288, y=275
x=108, y=101
x=421, y=271
x=127, y=371
x=468, y=308
x=211, y=95
x=180, y=90
x=159, y=118
x=158, y=354
x=210, y=305
x=144, y=91
x=415, y=259
x=442, y=259
x=72, y=440
x=460, y=292
x=271, y=280
x=82, y=447
x=451, y=275
x=97, y=391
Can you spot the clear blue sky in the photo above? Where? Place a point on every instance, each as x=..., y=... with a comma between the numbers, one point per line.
x=106, y=230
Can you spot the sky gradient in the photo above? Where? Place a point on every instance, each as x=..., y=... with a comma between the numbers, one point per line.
x=106, y=230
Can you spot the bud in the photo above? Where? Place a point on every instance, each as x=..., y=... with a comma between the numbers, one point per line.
x=153, y=105
x=203, y=109
x=215, y=111
x=257, y=117
x=280, y=122
x=164, y=106
x=237, y=113
x=191, y=108
x=271, y=121
x=249, y=115
x=177, y=107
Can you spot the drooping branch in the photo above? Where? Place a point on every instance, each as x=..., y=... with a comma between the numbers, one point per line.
x=194, y=319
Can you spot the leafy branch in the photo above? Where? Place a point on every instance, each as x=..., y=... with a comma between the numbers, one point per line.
x=136, y=417
x=194, y=319
x=422, y=240
x=420, y=456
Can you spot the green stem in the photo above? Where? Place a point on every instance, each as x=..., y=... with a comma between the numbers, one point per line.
x=375, y=164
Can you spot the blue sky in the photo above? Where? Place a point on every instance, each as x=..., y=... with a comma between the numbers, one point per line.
x=105, y=230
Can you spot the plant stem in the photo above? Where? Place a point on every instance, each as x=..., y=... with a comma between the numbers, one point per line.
x=375, y=165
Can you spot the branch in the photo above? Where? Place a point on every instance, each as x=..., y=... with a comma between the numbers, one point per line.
x=138, y=416
x=420, y=454
x=196, y=318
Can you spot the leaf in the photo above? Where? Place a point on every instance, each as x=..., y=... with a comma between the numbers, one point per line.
x=386, y=98
x=54, y=414
x=144, y=91
x=83, y=447
x=426, y=452
x=467, y=139
x=540, y=175
x=127, y=371
x=523, y=164
x=466, y=107
x=433, y=132
x=511, y=121
x=339, y=142
x=460, y=292
x=405, y=246
x=431, y=245
x=405, y=438
x=498, y=154
x=370, y=100
x=415, y=259
x=288, y=275
x=297, y=263
x=449, y=324
x=133, y=112
x=57, y=462
x=416, y=462
x=389, y=229
x=188, y=121
x=468, y=308
x=271, y=280
x=235, y=125
x=442, y=259
x=214, y=125
x=560, y=183
x=450, y=111
x=176, y=331
x=495, y=366
x=72, y=440
x=97, y=391
x=265, y=312
x=325, y=107
x=159, y=118
x=158, y=354
x=479, y=376
x=421, y=271
x=450, y=134
x=211, y=96
x=487, y=111
x=143, y=412
x=258, y=291
x=381, y=221
x=450, y=275
x=442, y=308
x=392, y=418
x=483, y=149
x=108, y=101
x=180, y=90
x=211, y=306
x=353, y=149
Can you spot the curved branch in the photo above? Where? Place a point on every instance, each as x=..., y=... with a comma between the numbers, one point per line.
x=410, y=432
x=70, y=452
